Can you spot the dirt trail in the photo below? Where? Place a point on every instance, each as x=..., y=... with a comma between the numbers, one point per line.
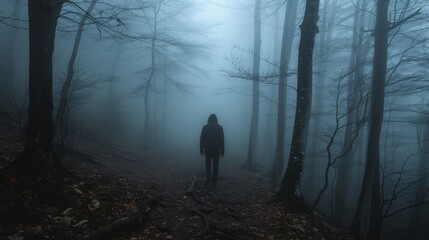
x=239, y=207
x=198, y=212
x=112, y=183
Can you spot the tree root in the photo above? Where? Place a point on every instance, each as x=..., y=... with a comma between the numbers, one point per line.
x=220, y=212
x=191, y=192
x=211, y=228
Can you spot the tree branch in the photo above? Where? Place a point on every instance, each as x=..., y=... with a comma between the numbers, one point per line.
x=402, y=21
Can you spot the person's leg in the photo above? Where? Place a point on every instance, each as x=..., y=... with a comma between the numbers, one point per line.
x=215, y=168
x=208, y=167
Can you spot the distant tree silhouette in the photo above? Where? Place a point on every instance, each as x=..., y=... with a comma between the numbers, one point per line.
x=289, y=27
x=354, y=95
x=62, y=106
x=7, y=64
x=254, y=121
x=168, y=54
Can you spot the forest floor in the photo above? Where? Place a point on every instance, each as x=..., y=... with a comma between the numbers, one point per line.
x=113, y=194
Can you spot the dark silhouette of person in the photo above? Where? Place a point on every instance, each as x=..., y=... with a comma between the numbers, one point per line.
x=213, y=146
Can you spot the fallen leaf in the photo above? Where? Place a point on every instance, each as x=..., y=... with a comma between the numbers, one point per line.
x=77, y=190
x=94, y=205
x=67, y=211
x=82, y=222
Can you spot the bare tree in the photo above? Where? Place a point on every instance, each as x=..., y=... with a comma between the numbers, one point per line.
x=58, y=123
x=290, y=190
x=354, y=94
x=289, y=26
x=371, y=181
x=168, y=54
x=324, y=52
x=333, y=159
x=7, y=66
x=38, y=152
x=254, y=121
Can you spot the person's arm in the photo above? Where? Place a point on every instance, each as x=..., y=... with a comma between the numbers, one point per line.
x=222, y=150
x=202, y=141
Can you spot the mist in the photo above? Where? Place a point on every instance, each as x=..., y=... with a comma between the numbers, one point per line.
x=324, y=105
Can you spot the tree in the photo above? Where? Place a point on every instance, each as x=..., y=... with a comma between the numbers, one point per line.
x=289, y=26
x=417, y=216
x=290, y=190
x=354, y=94
x=62, y=107
x=371, y=182
x=254, y=121
x=38, y=154
x=7, y=67
x=324, y=51
x=156, y=8
x=334, y=158
x=169, y=55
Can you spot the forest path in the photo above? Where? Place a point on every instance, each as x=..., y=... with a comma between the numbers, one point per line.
x=239, y=207
x=111, y=183
x=197, y=211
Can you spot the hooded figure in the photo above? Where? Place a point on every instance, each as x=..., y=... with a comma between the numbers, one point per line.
x=212, y=144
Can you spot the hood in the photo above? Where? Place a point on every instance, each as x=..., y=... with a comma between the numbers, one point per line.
x=212, y=119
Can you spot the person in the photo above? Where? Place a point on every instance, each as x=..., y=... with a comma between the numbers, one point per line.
x=213, y=146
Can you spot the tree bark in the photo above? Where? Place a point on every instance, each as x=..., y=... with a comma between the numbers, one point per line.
x=37, y=157
x=314, y=166
x=371, y=182
x=290, y=187
x=286, y=52
x=254, y=122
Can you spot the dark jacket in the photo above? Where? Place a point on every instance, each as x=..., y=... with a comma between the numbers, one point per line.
x=212, y=139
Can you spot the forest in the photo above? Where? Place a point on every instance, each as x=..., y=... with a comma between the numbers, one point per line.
x=214, y=119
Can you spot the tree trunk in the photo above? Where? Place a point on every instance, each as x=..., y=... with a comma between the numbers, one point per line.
x=64, y=100
x=418, y=219
x=147, y=131
x=314, y=166
x=37, y=157
x=113, y=104
x=255, y=86
x=271, y=106
x=290, y=190
x=164, y=112
x=371, y=182
x=287, y=41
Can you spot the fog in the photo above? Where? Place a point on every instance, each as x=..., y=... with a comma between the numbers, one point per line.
x=148, y=74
